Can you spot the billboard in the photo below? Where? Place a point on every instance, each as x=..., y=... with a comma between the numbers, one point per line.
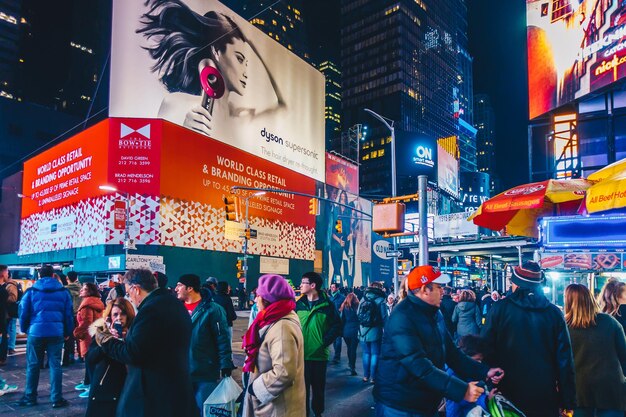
x=342, y=174
x=173, y=181
x=575, y=47
x=199, y=65
x=416, y=154
x=447, y=172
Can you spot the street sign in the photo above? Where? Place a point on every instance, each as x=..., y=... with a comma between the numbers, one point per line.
x=393, y=253
x=253, y=233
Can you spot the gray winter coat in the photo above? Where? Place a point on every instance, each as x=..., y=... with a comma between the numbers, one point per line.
x=374, y=334
x=467, y=318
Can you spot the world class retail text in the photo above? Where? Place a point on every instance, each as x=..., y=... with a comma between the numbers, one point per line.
x=61, y=160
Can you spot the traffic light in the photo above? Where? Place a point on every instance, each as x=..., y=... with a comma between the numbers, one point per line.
x=338, y=226
x=241, y=272
x=313, y=206
x=248, y=233
x=231, y=209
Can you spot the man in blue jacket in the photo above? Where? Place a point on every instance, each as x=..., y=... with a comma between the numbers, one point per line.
x=46, y=316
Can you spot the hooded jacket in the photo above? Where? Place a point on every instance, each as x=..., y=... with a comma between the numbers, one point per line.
x=374, y=334
x=46, y=310
x=467, y=318
x=321, y=325
x=527, y=337
x=415, y=349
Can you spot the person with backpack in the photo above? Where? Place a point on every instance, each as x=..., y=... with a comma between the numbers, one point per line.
x=372, y=314
x=14, y=295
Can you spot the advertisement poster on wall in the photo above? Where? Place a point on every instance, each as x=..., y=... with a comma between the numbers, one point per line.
x=447, y=172
x=199, y=65
x=574, y=48
x=342, y=174
x=347, y=249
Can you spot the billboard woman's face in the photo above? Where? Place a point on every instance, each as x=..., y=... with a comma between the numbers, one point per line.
x=233, y=65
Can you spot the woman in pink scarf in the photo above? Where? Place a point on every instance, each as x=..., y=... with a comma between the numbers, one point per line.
x=275, y=353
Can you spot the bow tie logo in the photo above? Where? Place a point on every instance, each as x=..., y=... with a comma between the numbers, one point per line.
x=127, y=130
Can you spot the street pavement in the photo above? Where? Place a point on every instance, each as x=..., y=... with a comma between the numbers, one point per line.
x=346, y=395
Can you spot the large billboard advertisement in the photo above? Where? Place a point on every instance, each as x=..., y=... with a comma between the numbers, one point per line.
x=199, y=65
x=447, y=172
x=342, y=174
x=416, y=155
x=173, y=181
x=575, y=47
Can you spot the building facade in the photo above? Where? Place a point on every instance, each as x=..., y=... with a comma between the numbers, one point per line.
x=485, y=123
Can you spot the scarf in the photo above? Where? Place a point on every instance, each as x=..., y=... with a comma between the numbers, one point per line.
x=252, y=340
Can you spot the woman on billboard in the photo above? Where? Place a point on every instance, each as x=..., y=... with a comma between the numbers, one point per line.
x=187, y=44
x=341, y=238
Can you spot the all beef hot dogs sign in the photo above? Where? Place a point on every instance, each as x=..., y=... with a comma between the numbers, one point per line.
x=583, y=261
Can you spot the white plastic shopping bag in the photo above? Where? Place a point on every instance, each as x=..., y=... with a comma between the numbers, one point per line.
x=221, y=402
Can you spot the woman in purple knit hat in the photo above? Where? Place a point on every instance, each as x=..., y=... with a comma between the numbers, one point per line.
x=275, y=353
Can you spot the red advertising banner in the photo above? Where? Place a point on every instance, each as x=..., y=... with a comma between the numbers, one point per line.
x=67, y=173
x=196, y=168
x=119, y=215
x=342, y=174
x=135, y=155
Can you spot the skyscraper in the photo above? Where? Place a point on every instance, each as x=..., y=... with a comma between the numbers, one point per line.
x=401, y=60
x=332, y=112
x=485, y=123
x=10, y=23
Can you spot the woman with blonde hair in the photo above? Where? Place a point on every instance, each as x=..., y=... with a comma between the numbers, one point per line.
x=466, y=316
x=350, y=321
x=612, y=300
x=599, y=347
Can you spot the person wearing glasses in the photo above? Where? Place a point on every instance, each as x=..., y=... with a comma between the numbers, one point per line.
x=321, y=325
x=155, y=350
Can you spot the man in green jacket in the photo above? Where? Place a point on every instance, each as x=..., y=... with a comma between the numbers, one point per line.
x=210, y=348
x=321, y=325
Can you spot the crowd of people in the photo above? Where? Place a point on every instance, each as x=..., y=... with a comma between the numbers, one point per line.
x=435, y=350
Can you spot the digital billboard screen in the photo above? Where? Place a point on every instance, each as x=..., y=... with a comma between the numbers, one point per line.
x=575, y=47
x=199, y=65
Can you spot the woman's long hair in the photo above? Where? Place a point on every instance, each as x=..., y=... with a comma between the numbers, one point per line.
x=184, y=38
x=580, y=307
x=351, y=302
x=124, y=305
x=92, y=290
x=468, y=295
x=609, y=296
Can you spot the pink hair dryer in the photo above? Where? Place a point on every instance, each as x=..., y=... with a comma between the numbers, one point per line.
x=212, y=87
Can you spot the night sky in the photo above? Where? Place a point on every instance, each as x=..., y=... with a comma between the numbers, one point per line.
x=497, y=34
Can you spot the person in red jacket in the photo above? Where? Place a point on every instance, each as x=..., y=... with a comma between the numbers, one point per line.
x=90, y=310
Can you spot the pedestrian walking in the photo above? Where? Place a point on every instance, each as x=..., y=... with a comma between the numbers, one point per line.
x=447, y=309
x=411, y=379
x=372, y=314
x=90, y=309
x=350, y=320
x=321, y=325
x=274, y=346
x=599, y=346
x=70, y=347
x=466, y=316
x=211, y=351
x=527, y=336
x=11, y=298
x=155, y=352
x=612, y=300
x=109, y=375
x=46, y=317
x=391, y=303
x=222, y=297
x=487, y=302
x=336, y=297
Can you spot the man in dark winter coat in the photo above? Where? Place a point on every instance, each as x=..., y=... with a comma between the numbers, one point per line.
x=222, y=297
x=527, y=336
x=156, y=351
x=46, y=317
x=447, y=309
x=411, y=378
x=211, y=350
x=337, y=298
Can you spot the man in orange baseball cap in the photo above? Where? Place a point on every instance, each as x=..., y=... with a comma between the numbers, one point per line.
x=411, y=379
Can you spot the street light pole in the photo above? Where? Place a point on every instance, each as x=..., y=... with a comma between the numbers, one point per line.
x=245, y=235
x=389, y=125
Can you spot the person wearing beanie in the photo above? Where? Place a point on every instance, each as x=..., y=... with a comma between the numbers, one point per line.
x=210, y=351
x=411, y=379
x=527, y=336
x=275, y=353
x=321, y=325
